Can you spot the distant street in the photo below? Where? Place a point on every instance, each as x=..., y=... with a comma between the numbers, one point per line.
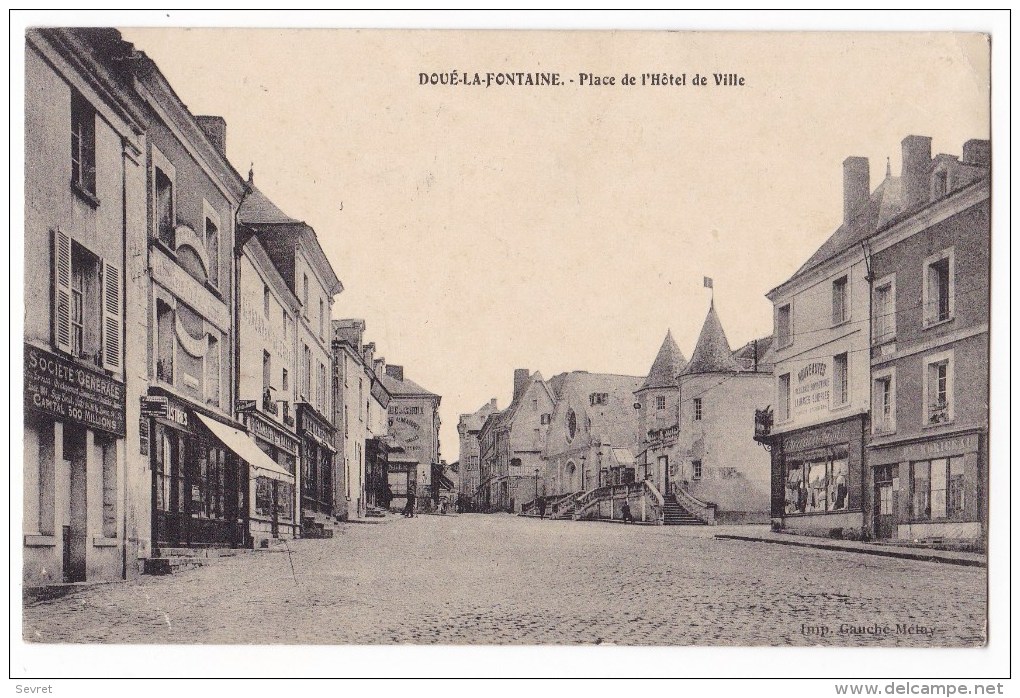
x=508, y=580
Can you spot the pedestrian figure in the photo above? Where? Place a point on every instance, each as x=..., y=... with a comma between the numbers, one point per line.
x=410, y=505
x=627, y=518
x=541, y=508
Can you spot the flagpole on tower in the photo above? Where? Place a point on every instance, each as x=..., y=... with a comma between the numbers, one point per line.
x=708, y=285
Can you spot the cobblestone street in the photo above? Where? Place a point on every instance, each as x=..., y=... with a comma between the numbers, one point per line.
x=508, y=580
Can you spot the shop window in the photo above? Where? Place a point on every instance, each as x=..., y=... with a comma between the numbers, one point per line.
x=264, y=496
x=937, y=489
x=840, y=380
x=818, y=485
x=884, y=311
x=939, y=288
x=840, y=300
x=783, y=398
x=697, y=409
x=660, y=402
x=938, y=389
x=697, y=470
x=83, y=146
x=884, y=410
x=784, y=325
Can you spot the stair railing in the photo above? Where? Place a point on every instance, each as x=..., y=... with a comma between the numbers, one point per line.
x=704, y=511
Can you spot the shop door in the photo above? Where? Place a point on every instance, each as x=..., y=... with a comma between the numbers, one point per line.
x=170, y=516
x=884, y=517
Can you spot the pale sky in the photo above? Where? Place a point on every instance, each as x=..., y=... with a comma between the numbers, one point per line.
x=564, y=228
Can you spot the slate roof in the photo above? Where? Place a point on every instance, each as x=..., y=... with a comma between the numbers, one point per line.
x=667, y=365
x=712, y=353
x=475, y=420
x=884, y=204
x=404, y=387
x=258, y=209
x=766, y=357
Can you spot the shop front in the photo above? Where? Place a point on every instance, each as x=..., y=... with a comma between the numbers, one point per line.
x=272, y=514
x=74, y=435
x=202, y=466
x=316, y=436
x=929, y=489
x=818, y=478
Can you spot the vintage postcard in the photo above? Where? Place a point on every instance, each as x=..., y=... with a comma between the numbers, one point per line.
x=504, y=337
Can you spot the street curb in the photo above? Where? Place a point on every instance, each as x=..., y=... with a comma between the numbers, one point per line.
x=903, y=554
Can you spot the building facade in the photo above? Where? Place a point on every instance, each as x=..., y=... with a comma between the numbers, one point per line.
x=820, y=411
x=468, y=428
x=294, y=249
x=413, y=426
x=717, y=461
x=360, y=406
x=592, y=433
x=658, y=406
x=84, y=218
x=511, y=464
x=199, y=455
x=266, y=394
x=928, y=456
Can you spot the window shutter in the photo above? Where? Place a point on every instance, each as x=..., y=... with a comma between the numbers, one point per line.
x=111, y=317
x=62, y=290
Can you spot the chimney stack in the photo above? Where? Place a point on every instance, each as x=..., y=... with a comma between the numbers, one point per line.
x=856, y=186
x=395, y=372
x=521, y=376
x=916, y=170
x=368, y=353
x=215, y=128
x=492, y=403
x=350, y=331
x=977, y=152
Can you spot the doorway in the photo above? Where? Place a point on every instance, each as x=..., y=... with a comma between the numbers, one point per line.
x=885, y=503
x=75, y=534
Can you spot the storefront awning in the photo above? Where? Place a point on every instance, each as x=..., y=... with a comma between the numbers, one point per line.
x=246, y=448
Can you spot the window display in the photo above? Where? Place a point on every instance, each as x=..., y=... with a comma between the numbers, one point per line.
x=818, y=485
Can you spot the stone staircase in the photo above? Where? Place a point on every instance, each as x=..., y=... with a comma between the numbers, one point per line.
x=673, y=514
x=174, y=560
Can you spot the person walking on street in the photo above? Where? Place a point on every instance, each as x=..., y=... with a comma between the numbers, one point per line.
x=625, y=509
x=541, y=508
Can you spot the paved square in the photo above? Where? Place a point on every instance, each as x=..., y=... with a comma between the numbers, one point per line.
x=499, y=579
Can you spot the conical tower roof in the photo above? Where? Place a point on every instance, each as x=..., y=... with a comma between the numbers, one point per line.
x=667, y=365
x=712, y=353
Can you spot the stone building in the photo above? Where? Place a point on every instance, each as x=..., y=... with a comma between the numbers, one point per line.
x=717, y=462
x=85, y=213
x=592, y=435
x=468, y=428
x=199, y=455
x=512, y=442
x=820, y=410
x=360, y=403
x=927, y=475
x=658, y=405
x=266, y=390
x=413, y=427
x=294, y=249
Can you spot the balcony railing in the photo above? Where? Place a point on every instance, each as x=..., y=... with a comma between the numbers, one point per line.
x=763, y=420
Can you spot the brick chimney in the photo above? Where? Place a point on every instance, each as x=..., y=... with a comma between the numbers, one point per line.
x=379, y=365
x=977, y=152
x=215, y=128
x=395, y=372
x=521, y=376
x=492, y=403
x=856, y=186
x=916, y=170
x=368, y=353
x=350, y=331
